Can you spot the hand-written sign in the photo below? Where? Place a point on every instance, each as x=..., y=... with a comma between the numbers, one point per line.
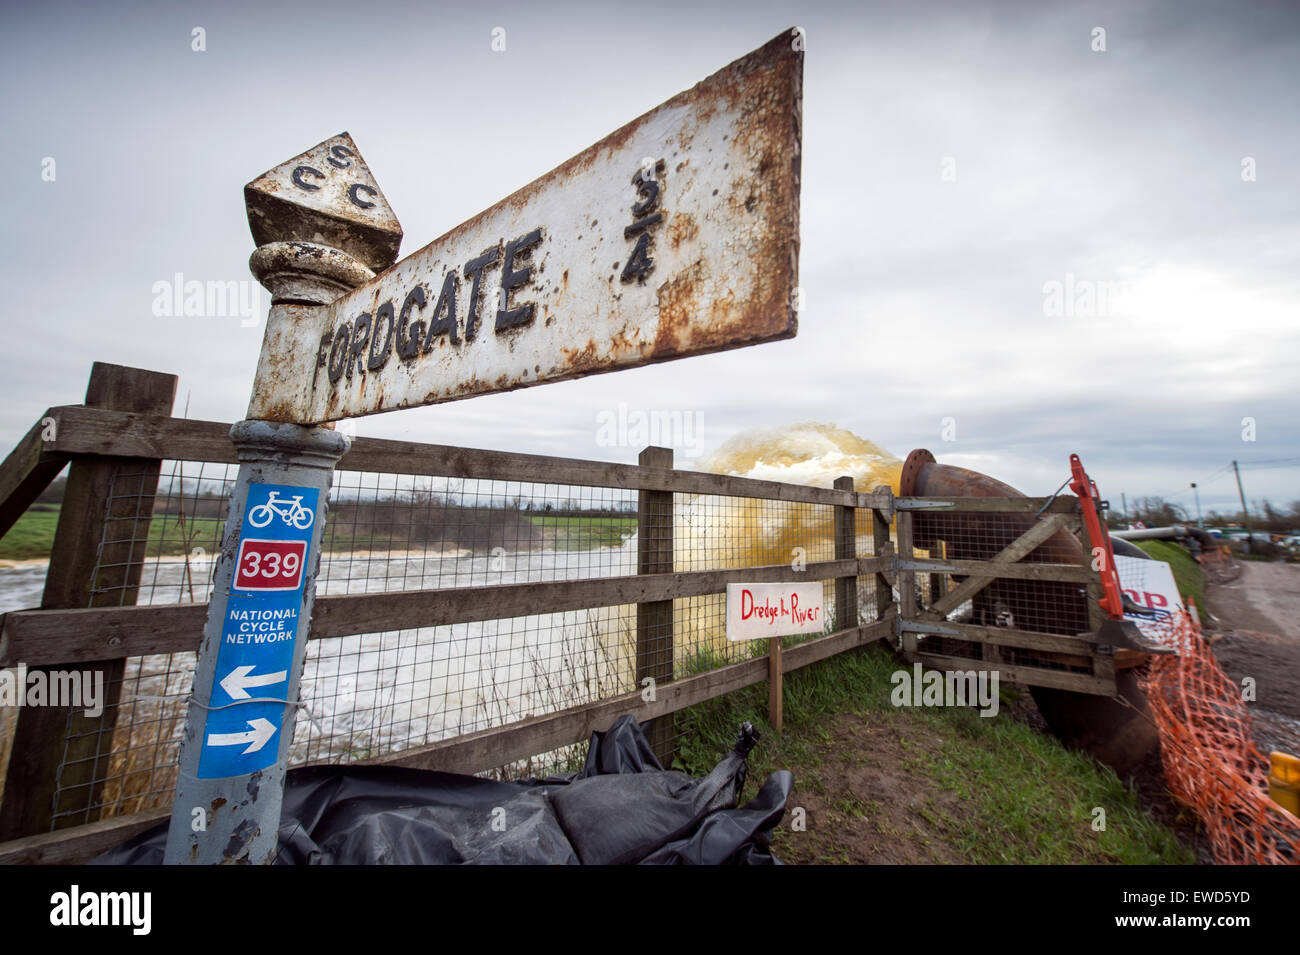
x=773, y=610
x=675, y=235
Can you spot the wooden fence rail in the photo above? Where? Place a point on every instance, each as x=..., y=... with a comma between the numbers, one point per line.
x=81, y=430
x=91, y=562
x=488, y=748
x=124, y=424
x=77, y=632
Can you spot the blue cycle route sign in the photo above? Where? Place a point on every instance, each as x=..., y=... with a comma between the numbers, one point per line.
x=248, y=705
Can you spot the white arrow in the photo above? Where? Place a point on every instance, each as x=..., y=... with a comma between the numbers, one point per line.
x=237, y=681
x=262, y=730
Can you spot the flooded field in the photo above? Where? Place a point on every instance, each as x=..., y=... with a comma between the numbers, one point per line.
x=376, y=693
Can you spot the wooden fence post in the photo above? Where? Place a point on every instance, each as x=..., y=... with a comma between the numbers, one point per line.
x=906, y=583
x=775, y=684
x=654, y=620
x=881, y=546
x=846, y=603
x=846, y=548
x=107, y=501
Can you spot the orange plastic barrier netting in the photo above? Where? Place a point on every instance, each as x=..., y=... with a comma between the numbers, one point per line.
x=1210, y=761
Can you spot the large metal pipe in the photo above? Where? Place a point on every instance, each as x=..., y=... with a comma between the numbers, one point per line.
x=1118, y=734
x=1173, y=532
x=1123, y=548
x=1196, y=538
x=1041, y=606
x=1202, y=539
x=978, y=534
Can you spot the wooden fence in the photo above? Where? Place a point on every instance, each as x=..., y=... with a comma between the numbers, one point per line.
x=124, y=431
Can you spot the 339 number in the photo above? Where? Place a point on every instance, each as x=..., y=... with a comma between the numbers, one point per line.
x=270, y=565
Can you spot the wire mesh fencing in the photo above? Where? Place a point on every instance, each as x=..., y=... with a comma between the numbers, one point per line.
x=1032, y=577
x=372, y=694
x=157, y=546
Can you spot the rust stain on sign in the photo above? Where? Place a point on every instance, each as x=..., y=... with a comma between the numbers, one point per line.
x=676, y=235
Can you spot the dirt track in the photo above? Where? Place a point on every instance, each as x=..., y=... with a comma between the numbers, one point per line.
x=1264, y=597
x=1259, y=617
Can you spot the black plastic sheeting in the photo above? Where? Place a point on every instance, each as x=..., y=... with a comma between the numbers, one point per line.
x=621, y=808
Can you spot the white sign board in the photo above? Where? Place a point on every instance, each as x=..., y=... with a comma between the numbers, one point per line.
x=676, y=235
x=1150, y=583
x=755, y=611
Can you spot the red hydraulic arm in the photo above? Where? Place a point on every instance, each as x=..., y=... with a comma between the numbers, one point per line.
x=1112, y=598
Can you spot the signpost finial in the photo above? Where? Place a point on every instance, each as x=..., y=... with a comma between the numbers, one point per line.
x=329, y=197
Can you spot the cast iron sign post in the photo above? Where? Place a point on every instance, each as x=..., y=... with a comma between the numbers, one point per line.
x=241, y=719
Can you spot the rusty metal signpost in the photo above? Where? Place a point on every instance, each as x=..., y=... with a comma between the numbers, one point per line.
x=676, y=235
x=235, y=747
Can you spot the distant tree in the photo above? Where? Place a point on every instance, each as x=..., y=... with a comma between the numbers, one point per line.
x=54, y=493
x=1157, y=512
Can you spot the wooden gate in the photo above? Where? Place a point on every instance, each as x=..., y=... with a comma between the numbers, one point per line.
x=1006, y=585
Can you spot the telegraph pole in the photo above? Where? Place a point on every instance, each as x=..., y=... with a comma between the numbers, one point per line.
x=1245, y=514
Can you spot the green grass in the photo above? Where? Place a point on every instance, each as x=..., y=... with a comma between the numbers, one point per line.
x=583, y=533
x=1004, y=793
x=32, y=535
x=1188, y=575
x=1032, y=800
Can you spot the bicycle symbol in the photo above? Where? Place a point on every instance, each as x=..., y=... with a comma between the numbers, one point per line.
x=294, y=514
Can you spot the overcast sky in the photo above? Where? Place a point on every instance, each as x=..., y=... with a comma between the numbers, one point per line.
x=924, y=298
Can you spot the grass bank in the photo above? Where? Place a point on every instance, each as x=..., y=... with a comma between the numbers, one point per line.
x=583, y=533
x=886, y=784
x=32, y=535
x=1188, y=574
